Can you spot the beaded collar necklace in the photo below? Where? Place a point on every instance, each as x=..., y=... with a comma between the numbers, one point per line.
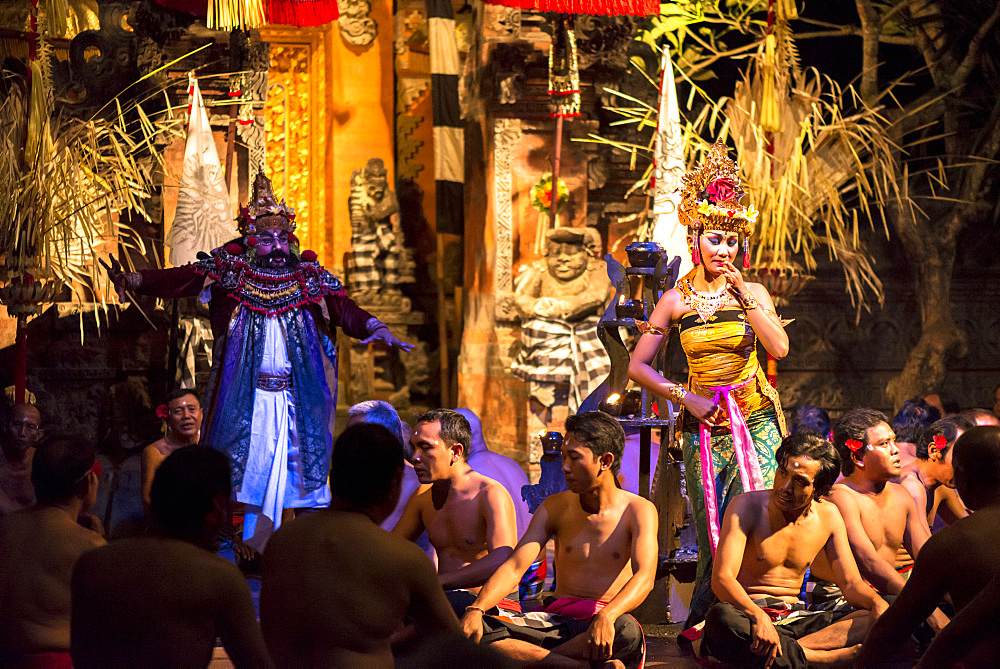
x=705, y=304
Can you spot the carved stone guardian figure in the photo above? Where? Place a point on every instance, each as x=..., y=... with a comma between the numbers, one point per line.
x=559, y=300
x=377, y=263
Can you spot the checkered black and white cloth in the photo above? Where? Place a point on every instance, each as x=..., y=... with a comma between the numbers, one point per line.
x=371, y=264
x=556, y=351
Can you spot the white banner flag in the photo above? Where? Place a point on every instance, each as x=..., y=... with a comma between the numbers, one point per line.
x=204, y=218
x=668, y=170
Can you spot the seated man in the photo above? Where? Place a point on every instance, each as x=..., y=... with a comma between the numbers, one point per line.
x=959, y=561
x=161, y=600
x=20, y=436
x=183, y=418
x=377, y=412
x=605, y=556
x=768, y=540
x=932, y=469
x=469, y=518
x=335, y=586
x=879, y=515
x=512, y=477
x=38, y=548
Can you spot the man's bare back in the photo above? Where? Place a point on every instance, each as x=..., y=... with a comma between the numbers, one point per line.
x=355, y=581
x=157, y=601
x=38, y=548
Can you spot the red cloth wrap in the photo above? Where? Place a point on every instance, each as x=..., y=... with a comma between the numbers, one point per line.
x=302, y=13
x=575, y=607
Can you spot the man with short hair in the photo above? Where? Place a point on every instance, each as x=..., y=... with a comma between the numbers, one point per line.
x=981, y=416
x=182, y=414
x=20, y=436
x=469, y=518
x=933, y=469
x=335, y=587
x=960, y=561
x=879, y=515
x=162, y=599
x=769, y=538
x=605, y=556
x=38, y=548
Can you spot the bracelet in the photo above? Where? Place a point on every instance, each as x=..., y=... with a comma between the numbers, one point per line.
x=474, y=608
x=676, y=393
x=748, y=301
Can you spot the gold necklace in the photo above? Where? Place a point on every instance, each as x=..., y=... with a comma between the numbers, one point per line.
x=705, y=304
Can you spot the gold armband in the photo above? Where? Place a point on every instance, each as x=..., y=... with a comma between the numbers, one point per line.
x=748, y=301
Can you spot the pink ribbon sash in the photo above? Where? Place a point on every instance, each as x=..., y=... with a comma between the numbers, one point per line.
x=746, y=457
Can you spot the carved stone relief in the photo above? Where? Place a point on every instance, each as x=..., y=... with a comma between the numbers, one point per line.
x=506, y=134
x=356, y=27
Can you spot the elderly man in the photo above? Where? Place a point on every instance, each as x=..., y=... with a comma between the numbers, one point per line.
x=272, y=391
x=18, y=447
x=38, y=548
x=768, y=540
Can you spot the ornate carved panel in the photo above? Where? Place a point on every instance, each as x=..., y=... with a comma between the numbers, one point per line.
x=506, y=134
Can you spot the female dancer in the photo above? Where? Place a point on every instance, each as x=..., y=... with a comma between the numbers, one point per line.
x=731, y=420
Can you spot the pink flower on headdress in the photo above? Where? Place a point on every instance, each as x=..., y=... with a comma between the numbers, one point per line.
x=940, y=441
x=721, y=190
x=162, y=412
x=251, y=241
x=309, y=255
x=853, y=444
x=234, y=249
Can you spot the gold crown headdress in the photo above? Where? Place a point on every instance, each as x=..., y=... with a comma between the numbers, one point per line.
x=710, y=200
x=264, y=212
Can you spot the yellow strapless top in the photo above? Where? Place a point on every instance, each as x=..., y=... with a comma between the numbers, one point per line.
x=723, y=352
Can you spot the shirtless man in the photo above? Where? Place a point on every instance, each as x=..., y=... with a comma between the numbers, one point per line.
x=767, y=541
x=605, y=555
x=161, y=600
x=38, y=548
x=18, y=446
x=933, y=469
x=960, y=560
x=511, y=476
x=469, y=518
x=183, y=417
x=335, y=586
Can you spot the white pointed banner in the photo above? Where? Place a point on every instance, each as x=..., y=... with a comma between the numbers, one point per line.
x=204, y=219
x=668, y=154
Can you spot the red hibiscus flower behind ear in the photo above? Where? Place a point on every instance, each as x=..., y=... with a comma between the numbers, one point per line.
x=162, y=412
x=853, y=444
x=940, y=441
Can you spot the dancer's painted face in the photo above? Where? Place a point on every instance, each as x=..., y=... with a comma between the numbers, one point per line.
x=718, y=247
x=272, y=248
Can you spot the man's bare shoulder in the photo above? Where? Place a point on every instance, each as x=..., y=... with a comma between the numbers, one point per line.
x=900, y=495
x=829, y=514
x=844, y=497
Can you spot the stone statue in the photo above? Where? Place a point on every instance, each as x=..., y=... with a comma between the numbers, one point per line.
x=357, y=28
x=559, y=300
x=377, y=263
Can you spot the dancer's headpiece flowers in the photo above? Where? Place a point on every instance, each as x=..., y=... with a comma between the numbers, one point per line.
x=264, y=212
x=711, y=196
